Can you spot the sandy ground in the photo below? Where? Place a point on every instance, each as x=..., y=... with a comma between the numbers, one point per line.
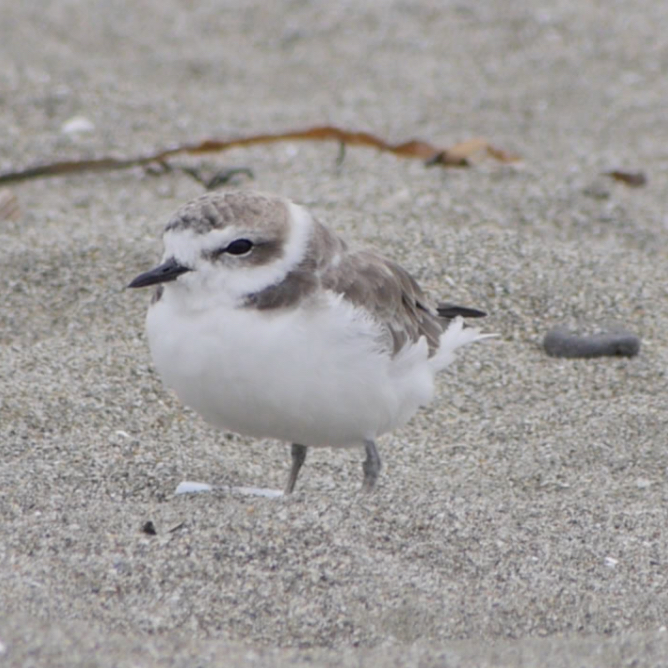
x=520, y=520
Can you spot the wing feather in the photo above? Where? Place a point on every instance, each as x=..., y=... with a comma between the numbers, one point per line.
x=389, y=294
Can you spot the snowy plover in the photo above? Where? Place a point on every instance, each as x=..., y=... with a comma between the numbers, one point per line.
x=268, y=325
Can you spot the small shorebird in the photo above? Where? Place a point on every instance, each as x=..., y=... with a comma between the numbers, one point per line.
x=268, y=325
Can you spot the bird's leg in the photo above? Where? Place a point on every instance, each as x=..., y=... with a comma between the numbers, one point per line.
x=298, y=456
x=371, y=466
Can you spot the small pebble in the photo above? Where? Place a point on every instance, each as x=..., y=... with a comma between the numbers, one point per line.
x=559, y=342
x=149, y=528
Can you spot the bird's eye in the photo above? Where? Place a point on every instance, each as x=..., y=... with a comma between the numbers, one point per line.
x=239, y=247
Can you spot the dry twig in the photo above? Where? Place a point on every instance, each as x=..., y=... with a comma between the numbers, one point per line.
x=456, y=156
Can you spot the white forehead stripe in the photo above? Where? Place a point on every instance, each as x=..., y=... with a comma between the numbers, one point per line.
x=187, y=245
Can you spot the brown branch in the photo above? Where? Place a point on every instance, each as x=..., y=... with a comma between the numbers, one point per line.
x=456, y=156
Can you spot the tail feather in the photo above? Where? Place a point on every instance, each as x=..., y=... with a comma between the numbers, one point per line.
x=447, y=310
x=455, y=336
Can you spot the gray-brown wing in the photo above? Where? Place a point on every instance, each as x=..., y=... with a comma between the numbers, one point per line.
x=390, y=294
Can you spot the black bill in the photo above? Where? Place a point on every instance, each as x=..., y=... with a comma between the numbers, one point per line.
x=167, y=271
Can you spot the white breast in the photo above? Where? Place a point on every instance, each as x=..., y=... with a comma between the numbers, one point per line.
x=314, y=376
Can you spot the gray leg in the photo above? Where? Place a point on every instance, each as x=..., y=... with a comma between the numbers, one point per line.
x=371, y=466
x=298, y=456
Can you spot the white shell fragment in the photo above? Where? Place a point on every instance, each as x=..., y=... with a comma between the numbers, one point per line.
x=190, y=487
x=77, y=125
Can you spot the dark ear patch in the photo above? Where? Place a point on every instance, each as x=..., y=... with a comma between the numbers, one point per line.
x=304, y=279
x=265, y=252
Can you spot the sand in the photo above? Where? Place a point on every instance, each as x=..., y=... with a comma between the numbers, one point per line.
x=520, y=520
